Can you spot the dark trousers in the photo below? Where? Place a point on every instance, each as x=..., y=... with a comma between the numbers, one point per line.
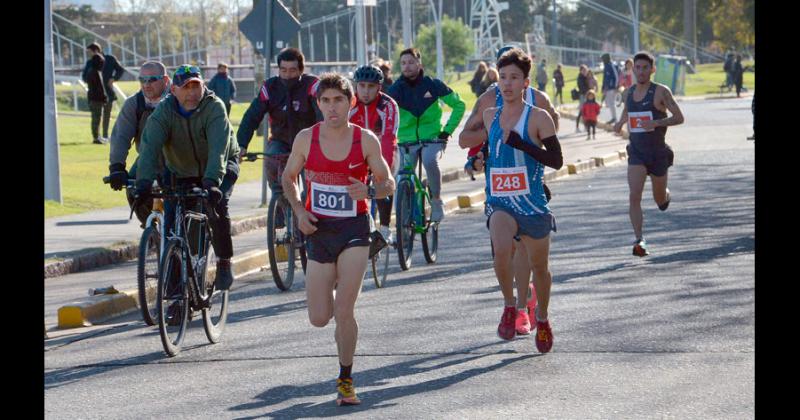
x=221, y=225
x=96, y=107
x=228, y=108
x=385, y=209
x=590, y=125
x=559, y=95
x=106, y=116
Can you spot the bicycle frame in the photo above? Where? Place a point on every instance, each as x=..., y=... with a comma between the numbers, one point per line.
x=188, y=217
x=420, y=192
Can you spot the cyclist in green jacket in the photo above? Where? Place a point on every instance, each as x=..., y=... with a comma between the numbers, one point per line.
x=418, y=97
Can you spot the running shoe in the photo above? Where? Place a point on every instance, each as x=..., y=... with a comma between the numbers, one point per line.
x=506, y=329
x=640, y=248
x=346, y=392
x=544, y=336
x=523, y=323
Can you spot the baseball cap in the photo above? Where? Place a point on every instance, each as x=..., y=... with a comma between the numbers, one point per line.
x=502, y=50
x=186, y=73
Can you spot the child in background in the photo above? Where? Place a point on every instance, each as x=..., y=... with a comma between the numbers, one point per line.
x=589, y=111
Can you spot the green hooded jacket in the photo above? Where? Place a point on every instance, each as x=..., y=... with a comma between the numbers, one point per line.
x=197, y=146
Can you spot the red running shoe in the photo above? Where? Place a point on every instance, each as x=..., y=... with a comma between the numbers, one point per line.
x=640, y=248
x=523, y=323
x=506, y=329
x=544, y=336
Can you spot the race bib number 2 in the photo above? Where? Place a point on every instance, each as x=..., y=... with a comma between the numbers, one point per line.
x=635, y=120
x=506, y=182
x=332, y=200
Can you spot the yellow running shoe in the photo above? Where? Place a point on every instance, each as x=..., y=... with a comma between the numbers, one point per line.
x=346, y=392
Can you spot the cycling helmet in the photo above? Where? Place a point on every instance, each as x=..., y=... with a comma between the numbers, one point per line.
x=370, y=74
x=502, y=50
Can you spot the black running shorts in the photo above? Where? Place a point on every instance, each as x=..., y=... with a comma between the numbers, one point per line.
x=335, y=235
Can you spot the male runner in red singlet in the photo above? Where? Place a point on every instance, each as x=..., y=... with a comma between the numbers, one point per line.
x=336, y=156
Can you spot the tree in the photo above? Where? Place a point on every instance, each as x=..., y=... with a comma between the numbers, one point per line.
x=456, y=43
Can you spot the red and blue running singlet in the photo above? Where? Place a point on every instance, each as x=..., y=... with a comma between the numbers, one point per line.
x=327, y=180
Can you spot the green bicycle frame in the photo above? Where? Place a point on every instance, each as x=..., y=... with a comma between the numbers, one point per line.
x=407, y=174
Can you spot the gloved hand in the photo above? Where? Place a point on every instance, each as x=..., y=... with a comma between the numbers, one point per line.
x=514, y=140
x=444, y=136
x=118, y=176
x=214, y=193
x=143, y=189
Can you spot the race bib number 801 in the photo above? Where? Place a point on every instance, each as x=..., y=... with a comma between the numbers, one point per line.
x=332, y=200
x=507, y=182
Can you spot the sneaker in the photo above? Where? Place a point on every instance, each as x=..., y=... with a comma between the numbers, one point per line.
x=224, y=276
x=640, y=248
x=346, y=393
x=523, y=323
x=506, y=329
x=531, y=301
x=544, y=336
x=99, y=140
x=437, y=210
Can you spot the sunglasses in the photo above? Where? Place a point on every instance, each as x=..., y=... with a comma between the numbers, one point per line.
x=149, y=79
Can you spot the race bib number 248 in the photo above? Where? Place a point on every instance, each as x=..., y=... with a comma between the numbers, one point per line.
x=509, y=182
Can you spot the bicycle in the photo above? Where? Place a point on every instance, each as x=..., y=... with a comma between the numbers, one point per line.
x=412, y=210
x=380, y=261
x=151, y=247
x=184, y=283
x=285, y=243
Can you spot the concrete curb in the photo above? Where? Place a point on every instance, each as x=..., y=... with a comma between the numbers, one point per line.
x=95, y=309
x=92, y=258
x=99, y=308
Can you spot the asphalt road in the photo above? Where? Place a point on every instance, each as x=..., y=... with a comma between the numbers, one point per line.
x=666, y=336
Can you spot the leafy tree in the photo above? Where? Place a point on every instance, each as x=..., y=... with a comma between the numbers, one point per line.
x=456, y=44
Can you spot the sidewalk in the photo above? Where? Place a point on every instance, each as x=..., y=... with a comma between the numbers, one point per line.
x=97, y=232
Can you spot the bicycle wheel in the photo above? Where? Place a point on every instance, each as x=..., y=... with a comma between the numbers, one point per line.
x=430, y=239
x=216, y=313
x=404, y=221
x=380, y=266
x=280, y=244
x=172, y=299
x=147, y=273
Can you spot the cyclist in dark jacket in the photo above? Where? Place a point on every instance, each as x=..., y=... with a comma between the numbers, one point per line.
x=290, y=101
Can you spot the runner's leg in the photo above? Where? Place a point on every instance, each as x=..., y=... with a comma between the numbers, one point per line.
x=350, y=269
x=660, y=190
x=522, y=274
x=320, y=279
x=637, y=175
x=502, y=228
x=538, y=254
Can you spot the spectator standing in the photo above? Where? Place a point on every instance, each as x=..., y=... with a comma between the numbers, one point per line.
x=583, y=88
x=477, y=77
x=728, y=68
x=223, y=86
x=541, y=75
x=558, y=80
x=610, y=86
x=590, y=111
x=737, y=74
x=386, y=68
x=491, y=77
x=112, y=72
x=93, y=76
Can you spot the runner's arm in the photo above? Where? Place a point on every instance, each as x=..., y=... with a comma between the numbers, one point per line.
x=381, y=176
x=668, y=101
x=474, y=134
x=541, y=125
x=543, y=101
x=294, y=165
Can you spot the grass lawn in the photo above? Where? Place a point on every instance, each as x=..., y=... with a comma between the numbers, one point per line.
x=83, y=164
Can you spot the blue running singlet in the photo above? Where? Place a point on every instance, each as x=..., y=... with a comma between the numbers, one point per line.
x=513, y=178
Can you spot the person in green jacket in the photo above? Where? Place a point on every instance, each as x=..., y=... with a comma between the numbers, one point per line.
x=192, y=131
x=418, y=96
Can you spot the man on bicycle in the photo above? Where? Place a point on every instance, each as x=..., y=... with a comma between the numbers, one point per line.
x=377, y=112
x=192, y=131
x=418, y=97
x=289, y=100
x=337, y=157
x=128, y=129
